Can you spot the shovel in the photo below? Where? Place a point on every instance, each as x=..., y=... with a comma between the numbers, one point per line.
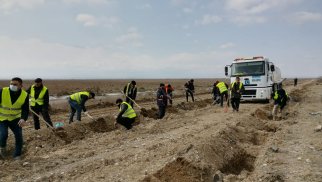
x=90, y=116
x=52, y=128
x=131, y=99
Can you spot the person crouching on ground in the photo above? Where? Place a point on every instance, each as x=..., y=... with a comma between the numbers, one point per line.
x=162, y=100
x=126, y=116
x=280, y=100
x=77, y=104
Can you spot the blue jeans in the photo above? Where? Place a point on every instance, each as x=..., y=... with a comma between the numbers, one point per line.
x=17, y=131
x=74, y=107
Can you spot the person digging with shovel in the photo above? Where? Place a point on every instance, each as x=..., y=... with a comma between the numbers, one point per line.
x=39, y=102
x=126, y=116
x=77, y=104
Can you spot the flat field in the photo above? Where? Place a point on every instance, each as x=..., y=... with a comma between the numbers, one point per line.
x=193, y=142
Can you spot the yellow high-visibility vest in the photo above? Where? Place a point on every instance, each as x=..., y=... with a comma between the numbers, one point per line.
x=222, y=87
x=9, y=111
x=276, y=96
x=40, y=99
x=129, y=113
x=240, y=85
x=77, y=96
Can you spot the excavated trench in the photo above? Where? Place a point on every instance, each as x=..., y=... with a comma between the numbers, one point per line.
x=232, y=152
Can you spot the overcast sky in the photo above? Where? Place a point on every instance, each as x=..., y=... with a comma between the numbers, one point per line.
x=156, y=38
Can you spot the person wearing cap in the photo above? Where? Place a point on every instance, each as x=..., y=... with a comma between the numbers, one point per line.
x=39, y=102
x=14, y=110
x=127, y=115
x=77, y=103
x=223, y=91
x=130, y=92
x=280, y=98
x=168, y=90
x=162, y=100
x=237, y=88
x=190, y=89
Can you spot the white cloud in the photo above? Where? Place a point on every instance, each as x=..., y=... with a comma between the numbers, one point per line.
x=87, y=20
x=131, y=38
x=257, y=6
x=304, y=17
x=54, y=60
x=227, y=45
x=10, y=5
x=209, y=19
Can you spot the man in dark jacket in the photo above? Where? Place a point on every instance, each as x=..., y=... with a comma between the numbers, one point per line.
x=237, y=88
x=14, y=111
x=190, y=89
x=280, y=100
x=130, y=92
x=161, y=100
x=39, y=102
x=77, y=103
x=127, y=115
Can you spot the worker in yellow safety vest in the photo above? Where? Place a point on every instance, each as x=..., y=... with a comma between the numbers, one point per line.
x=77, y=103
x=127, y=115
x=39, y=102
x=237, y=88
x=222, y=88
x=130, y=91
x=280, y=98
x=14, y=109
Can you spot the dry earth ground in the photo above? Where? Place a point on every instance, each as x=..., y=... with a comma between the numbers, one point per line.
x=192, y=143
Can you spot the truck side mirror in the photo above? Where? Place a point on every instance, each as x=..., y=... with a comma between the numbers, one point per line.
x=226, y=70
x=272, y=68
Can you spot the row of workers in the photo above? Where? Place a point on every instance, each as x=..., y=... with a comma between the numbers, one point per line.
x=14, y=105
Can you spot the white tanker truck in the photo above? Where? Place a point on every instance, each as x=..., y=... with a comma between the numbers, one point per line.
x=259, y=76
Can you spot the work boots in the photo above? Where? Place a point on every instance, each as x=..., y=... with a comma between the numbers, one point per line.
x=2, y=153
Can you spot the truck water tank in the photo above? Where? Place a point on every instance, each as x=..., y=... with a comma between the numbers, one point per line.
x=277, y=76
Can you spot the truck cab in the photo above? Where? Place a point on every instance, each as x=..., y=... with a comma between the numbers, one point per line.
x=258, y=74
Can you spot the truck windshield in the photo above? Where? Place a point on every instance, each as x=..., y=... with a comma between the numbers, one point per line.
x=248, y=68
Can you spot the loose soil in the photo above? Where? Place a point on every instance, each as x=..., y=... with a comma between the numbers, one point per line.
x=193, y=142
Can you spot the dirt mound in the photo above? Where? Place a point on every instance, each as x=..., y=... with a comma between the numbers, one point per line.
x=45, y=139
x=230, y=152
x=296, y=95
x=262, y=114
x=150, y=113
x=180, y=170
x=171, y=109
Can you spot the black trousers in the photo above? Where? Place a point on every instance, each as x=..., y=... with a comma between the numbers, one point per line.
x=126, y=122
x=44, y=113
x=222, y=98
x=235, y=103
x=129, y=101
x=191, y=93
x=161, y=111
